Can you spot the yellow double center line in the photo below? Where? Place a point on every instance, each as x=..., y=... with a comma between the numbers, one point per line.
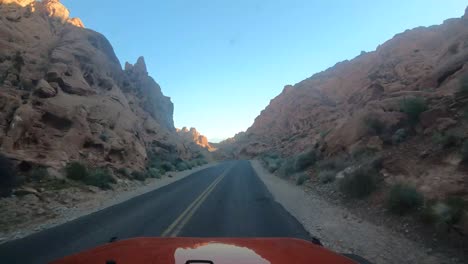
x=174, y=229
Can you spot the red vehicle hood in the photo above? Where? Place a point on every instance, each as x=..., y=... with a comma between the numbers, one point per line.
x=208, y=250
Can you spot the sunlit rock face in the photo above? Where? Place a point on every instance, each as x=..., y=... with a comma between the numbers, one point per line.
x=64, y=95
x=195, y=137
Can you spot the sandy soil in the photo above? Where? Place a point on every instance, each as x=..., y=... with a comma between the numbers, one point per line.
x=342, y=231
x=23, y=216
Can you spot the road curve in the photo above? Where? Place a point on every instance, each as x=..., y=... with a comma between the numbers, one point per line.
x=227, y=200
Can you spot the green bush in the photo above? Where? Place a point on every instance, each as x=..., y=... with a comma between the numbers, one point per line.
x=167, y=166
x=360, y=183
x=333, y=164
x=446, y=140
x=404, y=198
x=374, y=125
x=464, y=151
x=123, y=172
x=39, y=173
x=302, y=178
x=100, y=178
x=7, y=176
x=413, y=107
x=287, y=168
x=154, y=173
x=445, y=213
x=76, y=171
x=181, y=166
x=399, y=136
x=305, y=160
x=139, y=176
x=327, y=176
x=272, y=163
x=463, y=88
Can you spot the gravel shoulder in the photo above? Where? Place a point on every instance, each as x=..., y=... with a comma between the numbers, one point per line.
x=23, y=216
x=342, y=231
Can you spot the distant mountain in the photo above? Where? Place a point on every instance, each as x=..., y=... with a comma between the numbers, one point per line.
x=193, y=136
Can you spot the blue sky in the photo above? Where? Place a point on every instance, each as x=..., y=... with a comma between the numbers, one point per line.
x=221, y=62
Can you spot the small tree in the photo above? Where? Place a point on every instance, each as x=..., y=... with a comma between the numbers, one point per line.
x=413, y=107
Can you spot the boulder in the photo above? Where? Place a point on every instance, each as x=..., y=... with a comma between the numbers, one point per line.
x=45, y=90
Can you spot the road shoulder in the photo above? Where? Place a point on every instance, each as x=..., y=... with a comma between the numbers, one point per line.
x=339, y=229
x=24, y=216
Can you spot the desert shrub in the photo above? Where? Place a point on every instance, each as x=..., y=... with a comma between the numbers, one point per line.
x=7, y=176
x=38, y=173
x=464, y=151
x=139, y=176
x=404, y=198
x=463, y=88
x=305, y=160
x=327, y=176
x=453, y=48
x=413, y=107
x=362, y=153
x=123, y=172
x=445, y=213
x=446, y=140
x=399, y=136
x=287, y=168
x=104, y=136
x=100, y=178
x=154, y=173
x=374, y=125
x=333, y=164
x=360, y=183
x=76, y=171
x=181, y=166
x=167, y=166
x=272, y=162
x=301, y=178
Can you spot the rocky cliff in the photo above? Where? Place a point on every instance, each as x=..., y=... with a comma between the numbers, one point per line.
x=64, y=95
x=358, y=104
x=192, y=136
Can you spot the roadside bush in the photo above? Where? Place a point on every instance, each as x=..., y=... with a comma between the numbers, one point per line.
x=100, y=178
x=327, y=176
x=399, y=136
x=272, y=162
x=154, y=173
x=360, y=183
x=445, y=213
x=123, y=172
x=139, y=176
x=39, y=173
x=464, y=151
x=374, y=125
x=302, y=178
x=305, y=160
x=287, y=168
x=404, y=198
x=181, y=166
x=7, y=176
x=446, y=140
x=463, y=88
x=413, y=107
x=334, y=164
x=76, y=171
x=167, y=166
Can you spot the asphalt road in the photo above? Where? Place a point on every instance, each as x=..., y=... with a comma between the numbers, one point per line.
x=228, y=200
